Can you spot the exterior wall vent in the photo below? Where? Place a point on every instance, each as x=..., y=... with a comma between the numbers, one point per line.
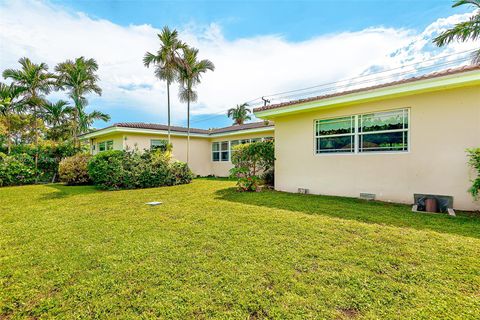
x=303, y=190
x=367, y=196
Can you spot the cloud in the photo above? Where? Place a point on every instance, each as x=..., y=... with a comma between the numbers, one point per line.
x=246, y=68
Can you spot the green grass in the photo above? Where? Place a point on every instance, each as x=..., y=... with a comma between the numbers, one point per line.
x=210, y=252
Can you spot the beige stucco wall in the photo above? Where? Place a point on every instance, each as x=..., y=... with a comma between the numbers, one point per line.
x=442, y=125
x=200, y=148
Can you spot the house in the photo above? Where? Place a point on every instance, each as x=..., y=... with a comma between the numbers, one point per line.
x=210, y=150
x=388, y=141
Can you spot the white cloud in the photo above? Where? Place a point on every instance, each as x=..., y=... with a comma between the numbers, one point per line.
x=245, y=68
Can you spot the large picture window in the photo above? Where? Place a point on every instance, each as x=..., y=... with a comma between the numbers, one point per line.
x=372, y=132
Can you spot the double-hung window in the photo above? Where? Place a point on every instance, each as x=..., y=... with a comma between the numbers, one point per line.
x=372, y=132
x=220, y=151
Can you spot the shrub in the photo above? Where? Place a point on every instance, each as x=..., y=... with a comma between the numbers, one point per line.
x=129, y=170
x=106, y=169
x=16, y=169
x=474, y=161
x=250, y=161
x=181, y=172
x=268, y=177
x=73, y=170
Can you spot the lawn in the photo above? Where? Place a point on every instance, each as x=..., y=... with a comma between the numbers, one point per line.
x=210, y=252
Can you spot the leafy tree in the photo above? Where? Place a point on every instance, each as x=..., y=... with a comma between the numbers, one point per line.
x=166, y=61
x=86, y=120
x=190, y=71
x=239, y=114
x=463, y=31
x=79, y=78
x=11, y=101
x=57, y=116
x=36, y=81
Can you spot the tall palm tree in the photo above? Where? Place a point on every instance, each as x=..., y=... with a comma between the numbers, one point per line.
x=37, y=81
x=166, y=61
x=463, y=31
x=57, y=115
x=79, y=78
x=87, y=120
x=190, y=72
x=11, y=101
x=239, y=114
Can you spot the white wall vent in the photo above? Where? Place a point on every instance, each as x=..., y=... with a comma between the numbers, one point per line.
x=367, y=196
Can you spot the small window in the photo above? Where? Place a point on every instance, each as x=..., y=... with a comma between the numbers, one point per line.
x=220, y=151
x=158, y=144
x=105, y=145
x=101, y=146
x=110, y=145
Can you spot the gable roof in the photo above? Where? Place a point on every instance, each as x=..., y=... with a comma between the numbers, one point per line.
x=271, y=109
x=161, y=128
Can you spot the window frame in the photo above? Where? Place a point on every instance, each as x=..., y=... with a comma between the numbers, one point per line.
x=357, y=135
x=220, y=151
x=107, y=145
x=165, y=141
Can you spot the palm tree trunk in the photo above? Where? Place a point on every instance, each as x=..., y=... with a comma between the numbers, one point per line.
x=168, y=107
x=9, y=139
x=35, y=127
x=188, y=128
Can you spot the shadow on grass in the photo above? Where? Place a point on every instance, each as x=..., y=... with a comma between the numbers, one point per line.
x=398, y=215
x=64, y=191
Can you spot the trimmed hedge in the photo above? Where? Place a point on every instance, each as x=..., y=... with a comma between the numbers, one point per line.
x=73, y=170
x=116, y=169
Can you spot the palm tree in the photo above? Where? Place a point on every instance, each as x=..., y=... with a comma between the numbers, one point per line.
x=58, y=115
x=37, y=81
x=463, y=31
x=190, y=72
x=79, y=78
x=87, y=120
x=239, y=114
x=166, y=61
x=11, y=100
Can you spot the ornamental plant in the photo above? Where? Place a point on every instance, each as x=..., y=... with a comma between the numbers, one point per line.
x=474, y=161
x=73, y=170
x=251, y=161
x=17, y=169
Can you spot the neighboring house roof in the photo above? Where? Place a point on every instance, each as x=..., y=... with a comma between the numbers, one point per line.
x=455, y=77
x=140, y=127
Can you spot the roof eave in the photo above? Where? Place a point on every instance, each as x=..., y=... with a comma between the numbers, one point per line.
x=422, y=86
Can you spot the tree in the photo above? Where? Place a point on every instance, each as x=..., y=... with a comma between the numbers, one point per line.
x=190, y=72
x=79, y=78
x=36, y=81
x=57, y=115
x=11, y=101
x=463, y=31
x=166, y=61
x=86, y=120
x=239, y=114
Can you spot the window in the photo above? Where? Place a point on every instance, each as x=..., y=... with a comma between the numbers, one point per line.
x=373, y=132
x=383, y=131
x=335, y=135
x=220, y=151
x=158, y=144
x=105, y=145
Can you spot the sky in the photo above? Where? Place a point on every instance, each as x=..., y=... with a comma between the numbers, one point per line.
x=259, y=48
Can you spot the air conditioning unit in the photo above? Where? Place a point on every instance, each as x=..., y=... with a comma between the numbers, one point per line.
x=303, y=190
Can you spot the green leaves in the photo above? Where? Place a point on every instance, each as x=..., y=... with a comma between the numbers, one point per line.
x=239, y=114
x=474, y=162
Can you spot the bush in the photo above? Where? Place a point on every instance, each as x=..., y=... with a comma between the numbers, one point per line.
x=474, y=161
x=130, y=170
x=268, y=177
x=73, y=170
x=181, y=172
x=250, y=162
x=16, y=169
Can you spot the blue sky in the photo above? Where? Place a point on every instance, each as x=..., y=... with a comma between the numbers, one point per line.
x=259, y=47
